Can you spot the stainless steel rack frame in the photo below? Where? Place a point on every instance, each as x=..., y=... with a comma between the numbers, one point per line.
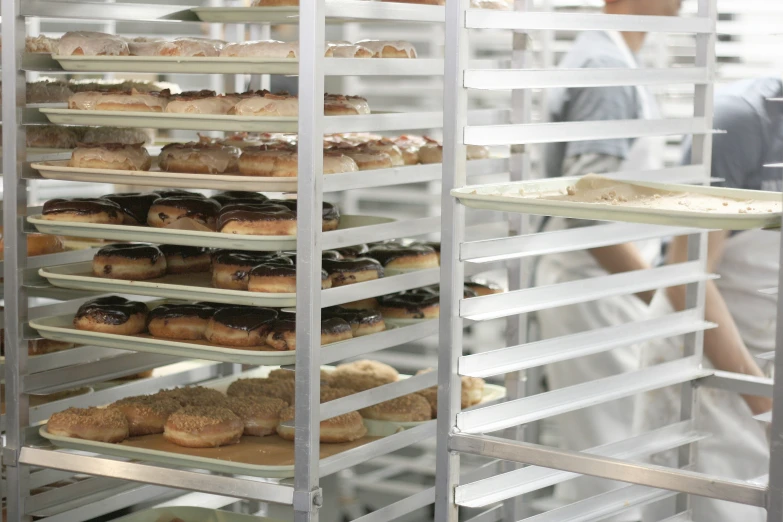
x=471, y=432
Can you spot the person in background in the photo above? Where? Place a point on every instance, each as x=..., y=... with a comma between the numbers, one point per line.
x=746, y=261
x=613, y=421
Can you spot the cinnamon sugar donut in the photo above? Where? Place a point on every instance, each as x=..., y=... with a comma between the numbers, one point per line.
x=259, y=415
x=111, y=156
x=200, y=102
x=83, y=210
x=51, y=137
x=289, y=375
x=90, y=43
x=179, y=321
x=45, y=91
x=199, y=158
x=243, y=327
x=134, y=205
x=203, y=427
x=146, y=414
x=103, y=135
x=131, y=262
x=408, y=408
x=389, y=49
x=282, y=389
x=165, y=211
x=98, y=424
x=261, y=48
x=267, y=104
x=340, y=105
x=343, y=428
x=195, y=396
x=113, y=315
x=374, y=369
x=358, y=382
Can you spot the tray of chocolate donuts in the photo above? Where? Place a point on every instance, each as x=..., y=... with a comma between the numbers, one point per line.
x=231, y=276
x=242, y=424
x=203, y=330
x=233, y=219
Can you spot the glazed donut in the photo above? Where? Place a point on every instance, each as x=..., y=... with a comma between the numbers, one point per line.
x=275, y=277
x=165, y=211
x=132, y=100
x=37, y=244
x=132, y=262
x=98, y=424
x=343, y=428
x=394, y=256
x=194, y=396
x=186, y=259
x=111, y=156
x=282, y=335
x=346, y=50
x=282, y=389
x=420, y=303
x=266, y=161
x=408, y=408
x=261, y=48
x=200, y=102
x=386, y=146
x=330, y=213
x=484, y=287
x=83, y=210
x=409, y=145
x=146, y=414
x=349, y=271
x=267, y=104
x=363, y=322
x=51, y=137
x=339, y=105
x=432, y=152
x=389, y=49
x=435, y=245
x=231, y=269
x=203, y=427
x=134, y=205
x=472, y=391
x=198, y=158
x=352, y=252
x=90, y=43
x=244, y=327
x=239, y=196
x=374, y=369
x=41, y=44
x=46, y=91
x=113, y=314
x=182, y=46
x=103, y=135
x=179, y=321
x=366, y=159
x=260, y=416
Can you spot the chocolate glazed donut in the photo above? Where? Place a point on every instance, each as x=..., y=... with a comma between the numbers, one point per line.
x=112, y=314
x=240, y=327
x=421, y=303
x=134, y=205
x=282, y=335
x=135, y=262
x=83, y=210
x=398, y=257
x=171, y=193
x=231, y=269
x=239, y=196
x=363, y=322
x=330, y=213
x=180, y=321
x=264, y=219
x=165, y=211
x=349, y=271
x=186, y=259
x=276, y=276
x=352, y=252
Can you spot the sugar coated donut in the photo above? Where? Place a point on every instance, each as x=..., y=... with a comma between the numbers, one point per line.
x=343, y=428
x=113, y=315
x=408, y=408
x=203, y=427
x=259, y=415
x=146, y=414
x=133, y=262
x=194, y=396
x=98, y=424
x=375, y=369
x=282, y=389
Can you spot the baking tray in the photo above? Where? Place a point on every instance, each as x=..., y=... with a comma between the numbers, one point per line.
x=193, y=286
x=243, y=15
x=169, y=236
x=489, y=197
x=190, y=514
x=180, y=64
x=155, y=178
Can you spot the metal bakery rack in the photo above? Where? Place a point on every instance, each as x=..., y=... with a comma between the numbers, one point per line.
x=476, y=432
x=31, y=461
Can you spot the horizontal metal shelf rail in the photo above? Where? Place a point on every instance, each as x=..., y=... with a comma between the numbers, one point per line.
x=532, y=21
x=83, y=10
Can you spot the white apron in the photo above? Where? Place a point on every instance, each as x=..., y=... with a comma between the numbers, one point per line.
x=613, y=421
x=738, y=447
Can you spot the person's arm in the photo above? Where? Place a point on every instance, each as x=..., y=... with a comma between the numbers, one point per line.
x=723, y=345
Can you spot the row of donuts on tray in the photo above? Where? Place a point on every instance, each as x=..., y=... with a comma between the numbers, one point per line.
x=200, y=417
x=267, y=155
x=91, y=43
x=230, y=212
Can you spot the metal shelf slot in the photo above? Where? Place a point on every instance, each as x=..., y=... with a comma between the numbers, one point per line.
x=532, y=478
x=536, y=407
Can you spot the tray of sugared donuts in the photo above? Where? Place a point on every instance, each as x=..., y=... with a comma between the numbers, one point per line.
x=202, y=330
x=241, y=424
x=232, y=276
x=233, y=219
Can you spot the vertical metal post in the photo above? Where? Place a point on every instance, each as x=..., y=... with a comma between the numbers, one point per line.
x=14, y=210
x=455, y=118
x=701, y=154
x=518, y=269
x=307, y=494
